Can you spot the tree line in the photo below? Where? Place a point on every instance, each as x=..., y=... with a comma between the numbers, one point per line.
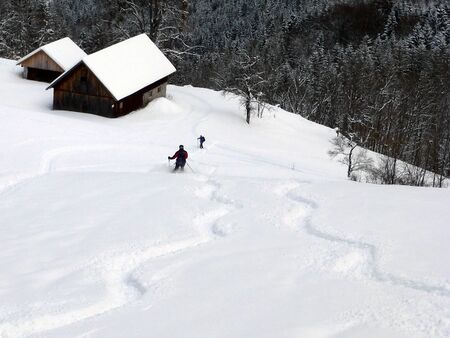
x=377, y=70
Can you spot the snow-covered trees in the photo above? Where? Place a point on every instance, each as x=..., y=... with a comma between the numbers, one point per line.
x=25, y=25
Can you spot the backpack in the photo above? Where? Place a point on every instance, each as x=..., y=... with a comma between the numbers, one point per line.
x=181, y=155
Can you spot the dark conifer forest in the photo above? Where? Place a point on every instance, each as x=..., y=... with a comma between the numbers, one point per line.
x=378, y=70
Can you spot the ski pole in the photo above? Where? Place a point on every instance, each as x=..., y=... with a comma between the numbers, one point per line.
x=190, y=167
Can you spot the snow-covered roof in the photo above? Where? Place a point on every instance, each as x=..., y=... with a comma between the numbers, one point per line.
x=64, y=52
x=128, y=66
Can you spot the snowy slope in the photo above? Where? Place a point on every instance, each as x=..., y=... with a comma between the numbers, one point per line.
x=264, y=237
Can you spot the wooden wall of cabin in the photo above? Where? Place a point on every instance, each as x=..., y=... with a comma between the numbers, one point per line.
x=81, y=91
x=40, y=67
x=41, y=60
x=141, y=98
x=82, y=81
x=64, y=100
x=154, y=93
x=129, y=104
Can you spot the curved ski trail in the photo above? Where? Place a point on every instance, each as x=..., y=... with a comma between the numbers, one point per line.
x=365, y=259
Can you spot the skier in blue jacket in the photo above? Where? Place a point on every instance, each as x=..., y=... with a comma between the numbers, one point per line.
x=201, y=139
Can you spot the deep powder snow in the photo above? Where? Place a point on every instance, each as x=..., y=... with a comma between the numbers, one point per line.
x=262, y=236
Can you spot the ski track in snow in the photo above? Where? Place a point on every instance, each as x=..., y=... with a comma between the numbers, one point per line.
x=366, y=255
x=205, y=112
x=212, y=219
x=252, y=158
x=48, y=158
x=118, y=269
x=123, y=287
x=118, y=272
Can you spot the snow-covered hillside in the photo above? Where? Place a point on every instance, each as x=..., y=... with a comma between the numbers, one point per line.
x=261, y=237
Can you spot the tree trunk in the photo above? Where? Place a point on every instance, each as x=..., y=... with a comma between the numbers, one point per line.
x=350, y=164
x=248, y=105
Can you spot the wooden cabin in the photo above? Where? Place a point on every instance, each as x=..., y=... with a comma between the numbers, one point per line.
x=50, y=61
x=114, y=81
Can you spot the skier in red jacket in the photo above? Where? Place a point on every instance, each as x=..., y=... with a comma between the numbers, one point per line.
x=181, y=155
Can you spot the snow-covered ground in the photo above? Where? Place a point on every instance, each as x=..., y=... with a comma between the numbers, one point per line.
x=262, y=237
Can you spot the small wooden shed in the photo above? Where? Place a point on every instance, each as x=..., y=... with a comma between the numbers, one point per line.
x=114, y=81
x=50, y=61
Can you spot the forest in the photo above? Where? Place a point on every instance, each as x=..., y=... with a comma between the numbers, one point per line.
x=376, y=70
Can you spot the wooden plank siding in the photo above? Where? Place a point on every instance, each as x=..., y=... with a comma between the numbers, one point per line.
x=80, y=90
x=40, y=67
x=41, y=60
x=82, y=81
x=64, y=100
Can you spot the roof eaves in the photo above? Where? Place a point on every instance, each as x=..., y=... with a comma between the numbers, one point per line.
x=28, y=56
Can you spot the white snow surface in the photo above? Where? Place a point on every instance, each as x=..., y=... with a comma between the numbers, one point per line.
x=262, y=236
x=64, y=52
x=129, y=66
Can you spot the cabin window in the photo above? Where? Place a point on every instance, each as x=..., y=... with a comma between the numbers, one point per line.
x=150, y=92
x=159, y=89
x=83, y=79
x=121, y=105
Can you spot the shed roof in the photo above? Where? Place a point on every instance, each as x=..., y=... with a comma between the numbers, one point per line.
x=64, y=52
x=128, y=66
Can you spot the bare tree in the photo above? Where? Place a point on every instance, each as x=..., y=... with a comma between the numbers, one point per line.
x=244, y=79
x=355, y=161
